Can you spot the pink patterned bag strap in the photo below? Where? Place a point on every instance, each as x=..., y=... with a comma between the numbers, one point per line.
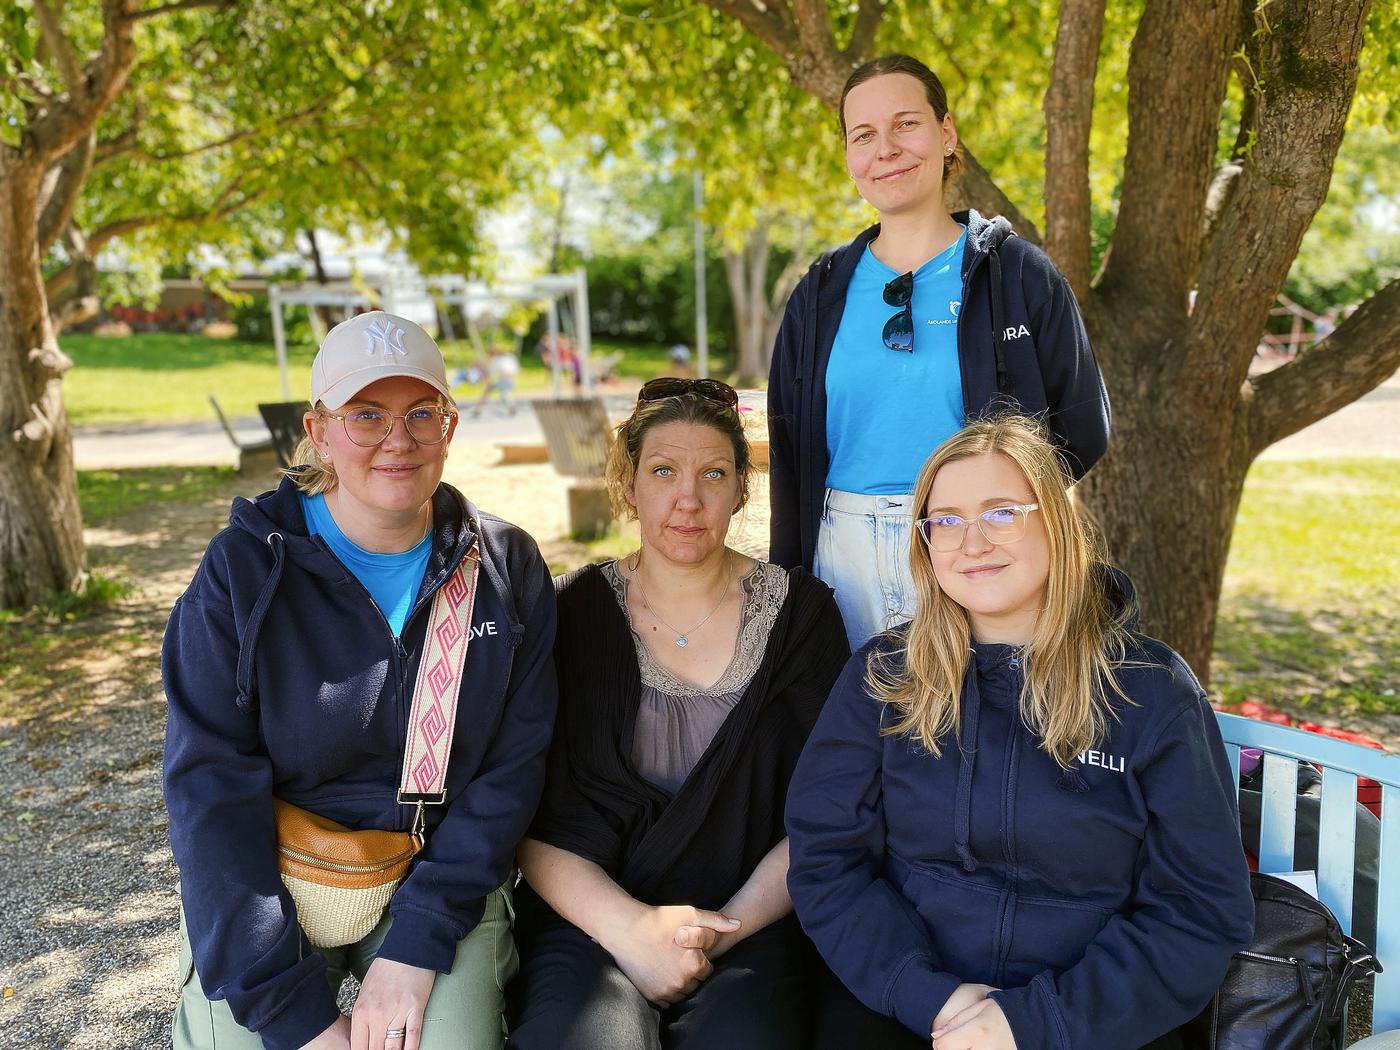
x=435, y=694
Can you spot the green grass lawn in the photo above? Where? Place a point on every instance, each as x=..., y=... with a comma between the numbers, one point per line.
x=165, y=377
x=106, y=494
x=1310, y=615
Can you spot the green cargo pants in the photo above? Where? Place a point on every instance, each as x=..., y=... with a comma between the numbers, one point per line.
x=465, y=1012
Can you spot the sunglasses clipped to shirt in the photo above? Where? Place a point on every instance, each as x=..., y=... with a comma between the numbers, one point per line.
x=899, y=329
x=673, y=386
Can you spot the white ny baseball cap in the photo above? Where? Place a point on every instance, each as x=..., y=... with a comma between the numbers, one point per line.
x=370, y=347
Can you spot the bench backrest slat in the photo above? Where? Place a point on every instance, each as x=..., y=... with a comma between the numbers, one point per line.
x=1336, y=844
x=1278, y=819
x=1387, y=993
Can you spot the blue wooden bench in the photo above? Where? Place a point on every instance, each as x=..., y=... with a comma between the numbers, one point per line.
x=1341, y=763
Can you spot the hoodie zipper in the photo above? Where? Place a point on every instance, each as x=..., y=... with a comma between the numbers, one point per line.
x=399, y=650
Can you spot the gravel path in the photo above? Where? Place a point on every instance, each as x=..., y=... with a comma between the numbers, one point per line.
x=87, y=886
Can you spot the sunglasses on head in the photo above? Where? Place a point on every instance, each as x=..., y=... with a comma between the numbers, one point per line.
x=671, y=386
x=899, y=329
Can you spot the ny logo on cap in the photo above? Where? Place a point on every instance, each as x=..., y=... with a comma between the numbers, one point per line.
x=386, y=338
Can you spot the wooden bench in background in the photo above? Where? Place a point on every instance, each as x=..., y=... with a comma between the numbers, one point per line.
x=576, y=433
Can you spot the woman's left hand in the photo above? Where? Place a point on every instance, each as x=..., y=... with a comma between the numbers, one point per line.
x=392, y=996
x=982, y=1026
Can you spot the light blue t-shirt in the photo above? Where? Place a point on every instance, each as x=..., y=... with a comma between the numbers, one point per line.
x=391, y=579
x=886, y=410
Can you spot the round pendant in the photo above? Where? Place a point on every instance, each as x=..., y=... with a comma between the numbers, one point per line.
x=682, y=641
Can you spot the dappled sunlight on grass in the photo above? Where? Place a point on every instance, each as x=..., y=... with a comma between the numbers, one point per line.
x=1310, y=613
x=105, y=494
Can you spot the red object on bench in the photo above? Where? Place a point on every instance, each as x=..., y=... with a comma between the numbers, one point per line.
x=1368, y=792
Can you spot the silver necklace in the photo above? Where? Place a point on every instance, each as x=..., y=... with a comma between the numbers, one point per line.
x=682, y=637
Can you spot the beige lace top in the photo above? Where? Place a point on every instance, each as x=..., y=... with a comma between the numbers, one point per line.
x=677, y=719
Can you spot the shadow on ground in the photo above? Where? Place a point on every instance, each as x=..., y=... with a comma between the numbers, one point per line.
x=88, y=898
x=1335, y=664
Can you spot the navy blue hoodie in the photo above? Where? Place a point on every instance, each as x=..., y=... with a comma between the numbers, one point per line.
x=1104, y=901
x=1046, y=367
x=316, y=713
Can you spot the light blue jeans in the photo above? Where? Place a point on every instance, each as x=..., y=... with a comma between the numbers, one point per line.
x=863, y=554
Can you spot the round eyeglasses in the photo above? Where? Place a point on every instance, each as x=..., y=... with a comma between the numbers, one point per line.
x=368, y=427
x=1005, y=524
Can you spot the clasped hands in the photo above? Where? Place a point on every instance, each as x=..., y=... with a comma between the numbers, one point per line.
x=666, y=951
x=971, y=1021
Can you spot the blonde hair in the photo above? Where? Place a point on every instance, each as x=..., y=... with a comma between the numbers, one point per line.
x=312, y=475
x=625, y=451
x=1079, y=638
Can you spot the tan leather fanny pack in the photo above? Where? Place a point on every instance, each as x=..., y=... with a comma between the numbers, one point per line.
x=341, y=880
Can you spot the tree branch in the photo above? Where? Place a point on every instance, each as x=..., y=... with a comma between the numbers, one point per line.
x=227, y=203
x=110, y=149
x=1308, y=79
x=83, y=304
x=770, y=23
x=54, y=132
x=126, y=142
x=181, y=5
x=1069, y=114
x=51, y=30
x=1360, y=355
x=1177, y=71
x=67, y=179
x=868, y=16
x=950, y=55
x=973, y=188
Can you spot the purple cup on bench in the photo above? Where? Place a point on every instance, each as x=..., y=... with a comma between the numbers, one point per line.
x=1250, y=757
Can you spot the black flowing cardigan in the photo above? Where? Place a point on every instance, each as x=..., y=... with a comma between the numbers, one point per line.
x=701, y=844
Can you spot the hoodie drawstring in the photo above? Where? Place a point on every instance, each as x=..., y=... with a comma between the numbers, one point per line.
x=244, y=676
x=971, y=702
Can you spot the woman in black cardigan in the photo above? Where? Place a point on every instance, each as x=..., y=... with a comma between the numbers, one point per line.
x=654, y=897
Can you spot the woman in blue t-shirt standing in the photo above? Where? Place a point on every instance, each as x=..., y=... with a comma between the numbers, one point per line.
x=892, y=342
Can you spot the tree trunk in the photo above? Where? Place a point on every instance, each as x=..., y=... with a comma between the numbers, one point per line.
x=41, y=533
x=747, y=274
x=1166, y=495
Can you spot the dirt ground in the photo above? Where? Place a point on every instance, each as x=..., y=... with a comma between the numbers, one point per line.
x=88, y=894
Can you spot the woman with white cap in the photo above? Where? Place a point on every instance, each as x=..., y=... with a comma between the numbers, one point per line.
x=332, y=809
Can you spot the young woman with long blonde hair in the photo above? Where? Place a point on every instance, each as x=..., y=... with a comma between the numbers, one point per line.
x=995, y=824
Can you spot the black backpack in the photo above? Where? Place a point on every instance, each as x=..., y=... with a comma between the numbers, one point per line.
x=1287, y=990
